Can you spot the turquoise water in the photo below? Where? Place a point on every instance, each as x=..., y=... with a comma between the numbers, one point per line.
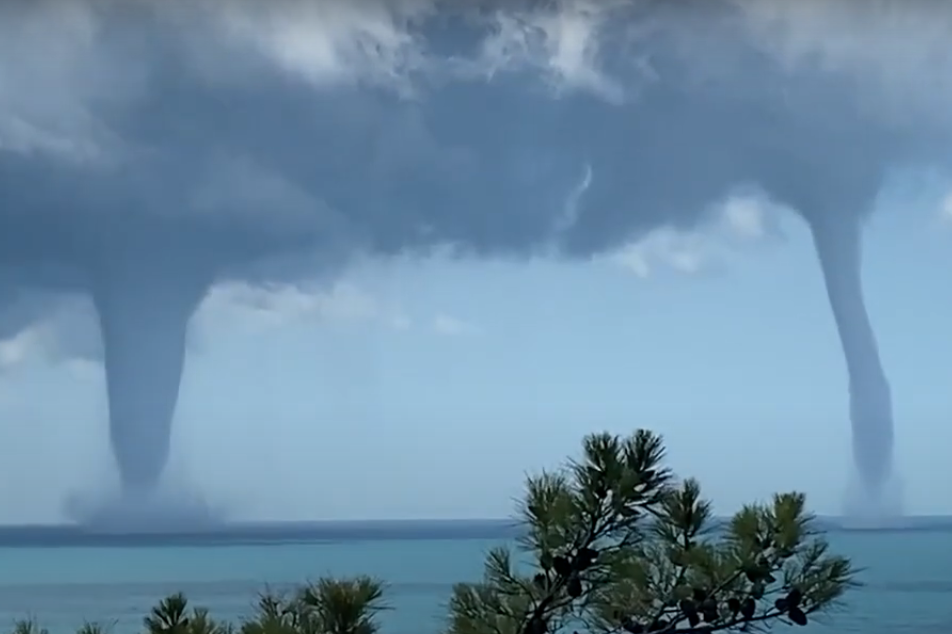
x=908, y=577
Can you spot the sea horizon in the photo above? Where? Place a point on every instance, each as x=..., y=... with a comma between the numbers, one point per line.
x=71, y=534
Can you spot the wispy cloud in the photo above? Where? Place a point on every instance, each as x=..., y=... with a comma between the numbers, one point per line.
x=280, y=306
x=69, y=335
x=739, y=223
x=945, y=208
x=24, y=345
x=453, y=327
x=68, y=332
x=401, y=322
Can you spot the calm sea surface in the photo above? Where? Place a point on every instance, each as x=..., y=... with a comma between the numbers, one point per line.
x=908, y=577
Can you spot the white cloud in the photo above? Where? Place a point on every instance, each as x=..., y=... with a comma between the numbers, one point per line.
x=51, y=99
x=83, y=369
x=560, y=40
x=745, y=217
x=740, y=222
x=269, y=307
x=453, y=327
x=45, y=104
x=69, y=335
x=23, y=346
x=68, y=331
x=564, y=42
x=945, y=208
x=401, y=322
x=338, y=43
x=48, y=103
x=683, y=252
x=868, y=40
x=327, y=43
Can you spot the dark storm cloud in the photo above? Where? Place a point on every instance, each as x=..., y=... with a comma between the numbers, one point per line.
x=223, y=134
x=148, y=150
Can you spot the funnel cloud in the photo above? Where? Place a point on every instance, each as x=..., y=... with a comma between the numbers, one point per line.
x=154, y=150
x=143, y=316
x=838, y=244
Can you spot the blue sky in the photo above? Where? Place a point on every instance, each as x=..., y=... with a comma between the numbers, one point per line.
x=428, y=389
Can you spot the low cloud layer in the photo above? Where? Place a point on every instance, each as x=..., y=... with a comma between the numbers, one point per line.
x=251, y=131
x=743, y=225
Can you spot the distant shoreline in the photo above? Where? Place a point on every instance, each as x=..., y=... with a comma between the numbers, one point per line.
x=257, y=533
x=276, y=533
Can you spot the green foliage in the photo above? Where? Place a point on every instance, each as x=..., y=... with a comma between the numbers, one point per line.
x=93, y=628
x=613, y=542
x=28, y=626
x=328, y=606
x=172, y=616
x=345, y=606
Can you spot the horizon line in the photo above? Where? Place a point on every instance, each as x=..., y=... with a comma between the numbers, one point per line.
x=420, y=520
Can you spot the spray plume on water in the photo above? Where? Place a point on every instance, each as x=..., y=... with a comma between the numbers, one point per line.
x=166, y=171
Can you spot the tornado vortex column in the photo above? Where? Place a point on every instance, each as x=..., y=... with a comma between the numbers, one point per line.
x=144, y=311
x=838, y=244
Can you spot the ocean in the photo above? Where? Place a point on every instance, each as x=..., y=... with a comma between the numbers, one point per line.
x=63, y=583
